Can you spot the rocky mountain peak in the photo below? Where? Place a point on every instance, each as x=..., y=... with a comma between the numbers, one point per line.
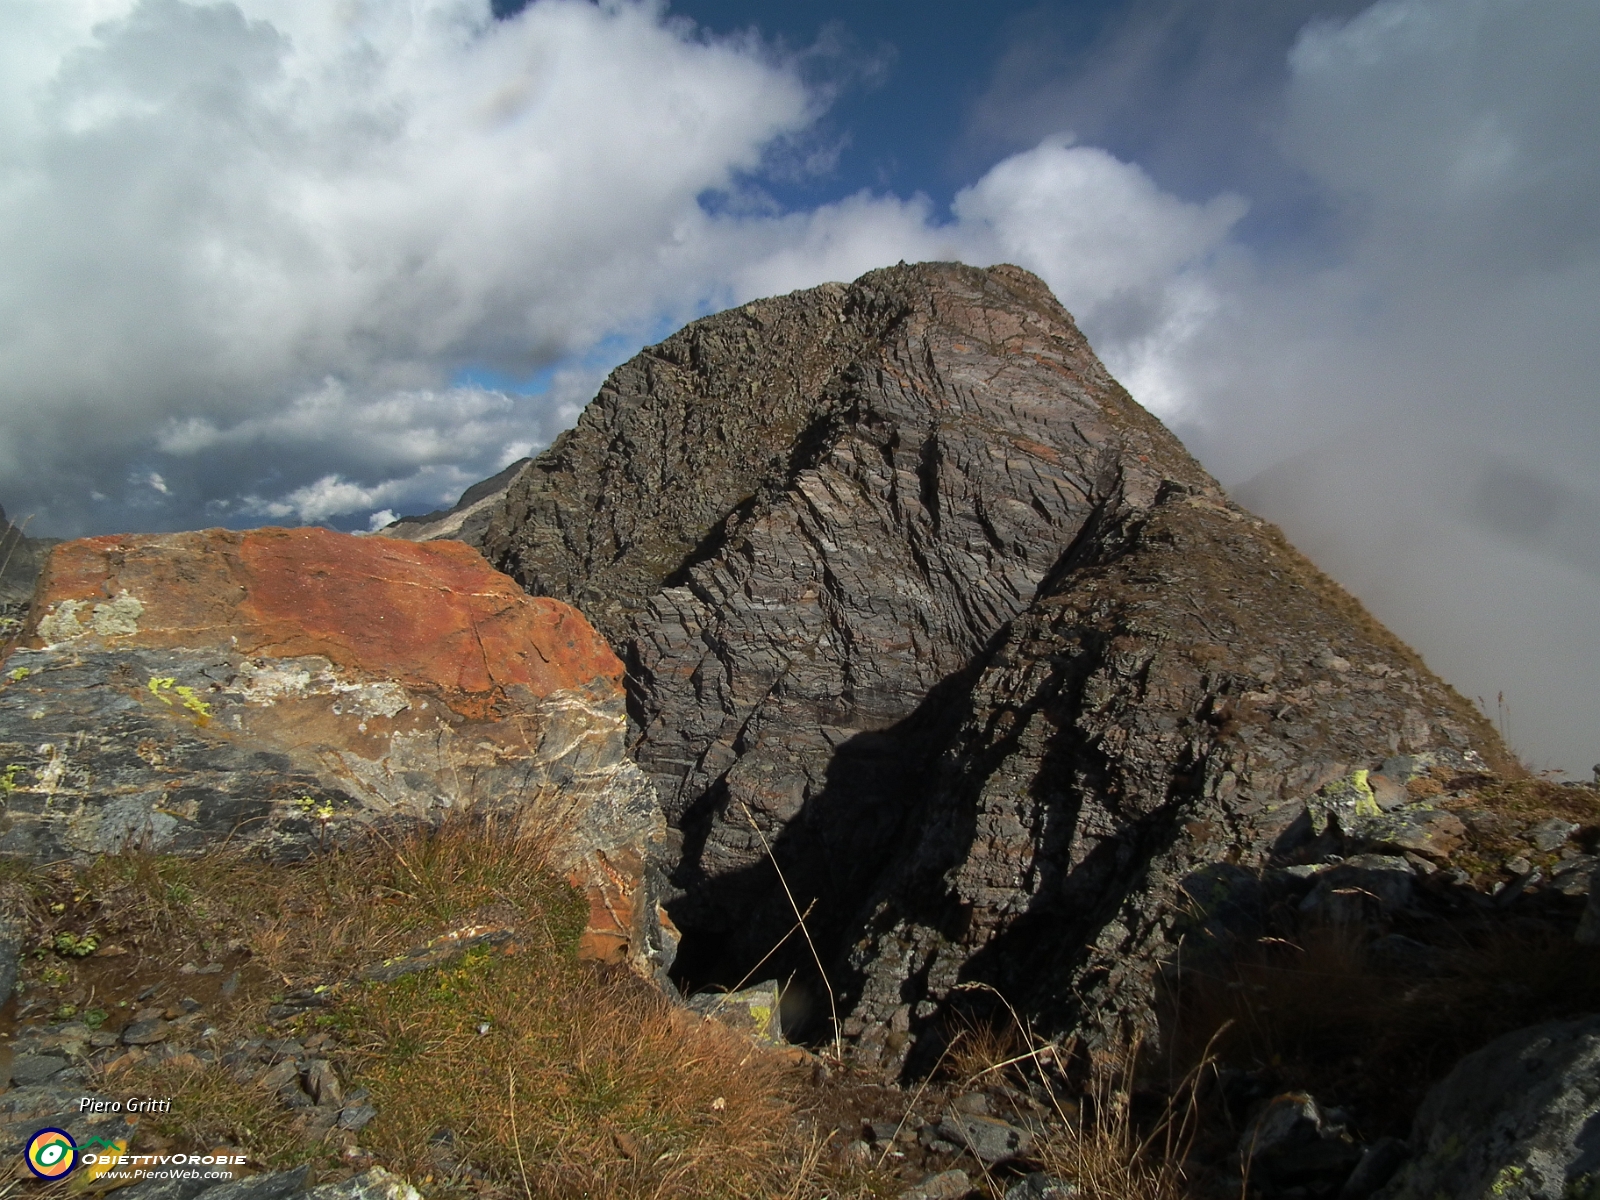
x=919, y=605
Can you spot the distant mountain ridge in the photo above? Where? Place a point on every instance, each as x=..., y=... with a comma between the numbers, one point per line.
x=20, y=559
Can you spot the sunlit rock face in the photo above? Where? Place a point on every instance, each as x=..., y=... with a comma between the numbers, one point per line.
x=920, y=605
x=287, y=688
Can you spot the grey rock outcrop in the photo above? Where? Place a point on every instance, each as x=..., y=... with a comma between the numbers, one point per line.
x=919, y=604
x=1517, y=1120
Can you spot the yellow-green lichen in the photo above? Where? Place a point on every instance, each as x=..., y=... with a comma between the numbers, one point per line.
x=1349, y=797
x=1507, y=1179
x=164, y=687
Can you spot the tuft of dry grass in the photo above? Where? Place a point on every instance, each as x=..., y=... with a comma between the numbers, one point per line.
x=1098, y=1139
x=1110, y=1155
x=562, y=1081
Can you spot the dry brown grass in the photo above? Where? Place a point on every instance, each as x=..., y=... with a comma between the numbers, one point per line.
x=522, y=1073
x=1110, y=1155
x=1097, y=1140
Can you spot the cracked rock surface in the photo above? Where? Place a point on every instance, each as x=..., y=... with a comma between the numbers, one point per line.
x=916, y=601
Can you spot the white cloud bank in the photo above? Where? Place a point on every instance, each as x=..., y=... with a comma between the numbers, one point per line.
x=1419, y=407
x=250, y=246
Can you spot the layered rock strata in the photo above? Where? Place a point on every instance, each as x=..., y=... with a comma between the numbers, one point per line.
x=919, y=605
x=288, y=687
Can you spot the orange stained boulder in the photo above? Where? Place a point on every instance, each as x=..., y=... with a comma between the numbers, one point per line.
x=430, y=615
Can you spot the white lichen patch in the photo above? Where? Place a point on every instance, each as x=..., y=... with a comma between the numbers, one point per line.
x=266, y=681
x=71, y=619
x=60, y=623
x=117, y=618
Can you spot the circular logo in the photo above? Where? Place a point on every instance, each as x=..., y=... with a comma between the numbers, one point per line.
x=52, y=1153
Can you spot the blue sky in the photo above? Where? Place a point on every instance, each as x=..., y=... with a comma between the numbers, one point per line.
x=286, y=261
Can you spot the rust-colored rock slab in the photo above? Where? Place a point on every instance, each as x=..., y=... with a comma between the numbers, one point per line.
x=429, y=615
x=289, y=686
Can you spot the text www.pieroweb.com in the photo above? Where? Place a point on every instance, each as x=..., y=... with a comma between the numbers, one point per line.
x=164, y=1166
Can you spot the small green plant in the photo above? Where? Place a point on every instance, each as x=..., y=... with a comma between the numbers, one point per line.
x=54, y=976
x=18, y=675
x=95, y=1017
x=8, y=778
x=75, y=945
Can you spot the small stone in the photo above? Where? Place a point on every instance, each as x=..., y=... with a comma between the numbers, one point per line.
x=858, y=1153
x=276, y=1078
x=973, y=1102
x=1345, y=894
x=990, y=1139
x=321, y=1084
x=946, y=1185
x=1551, y=834
x=230, y=985
x=882, y=1132
x=1288, y=1120
x=1518, y=865
x=753, y=1010
x=373, y=1184
x=145, y=1033
x=1040, y=1186
x=35, y=1068
x=355, y=1117
x=102, y=1039
x=277, y=1185
x=1378, y=1164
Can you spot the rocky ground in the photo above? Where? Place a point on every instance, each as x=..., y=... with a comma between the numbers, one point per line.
x=1306, y=1049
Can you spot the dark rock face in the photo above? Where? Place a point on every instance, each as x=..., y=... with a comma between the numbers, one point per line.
x=912, y=594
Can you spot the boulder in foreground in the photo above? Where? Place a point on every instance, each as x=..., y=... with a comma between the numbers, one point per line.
x=287, y=687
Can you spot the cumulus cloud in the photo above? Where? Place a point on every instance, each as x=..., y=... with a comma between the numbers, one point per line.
x=211, y=210
x=265, y=252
